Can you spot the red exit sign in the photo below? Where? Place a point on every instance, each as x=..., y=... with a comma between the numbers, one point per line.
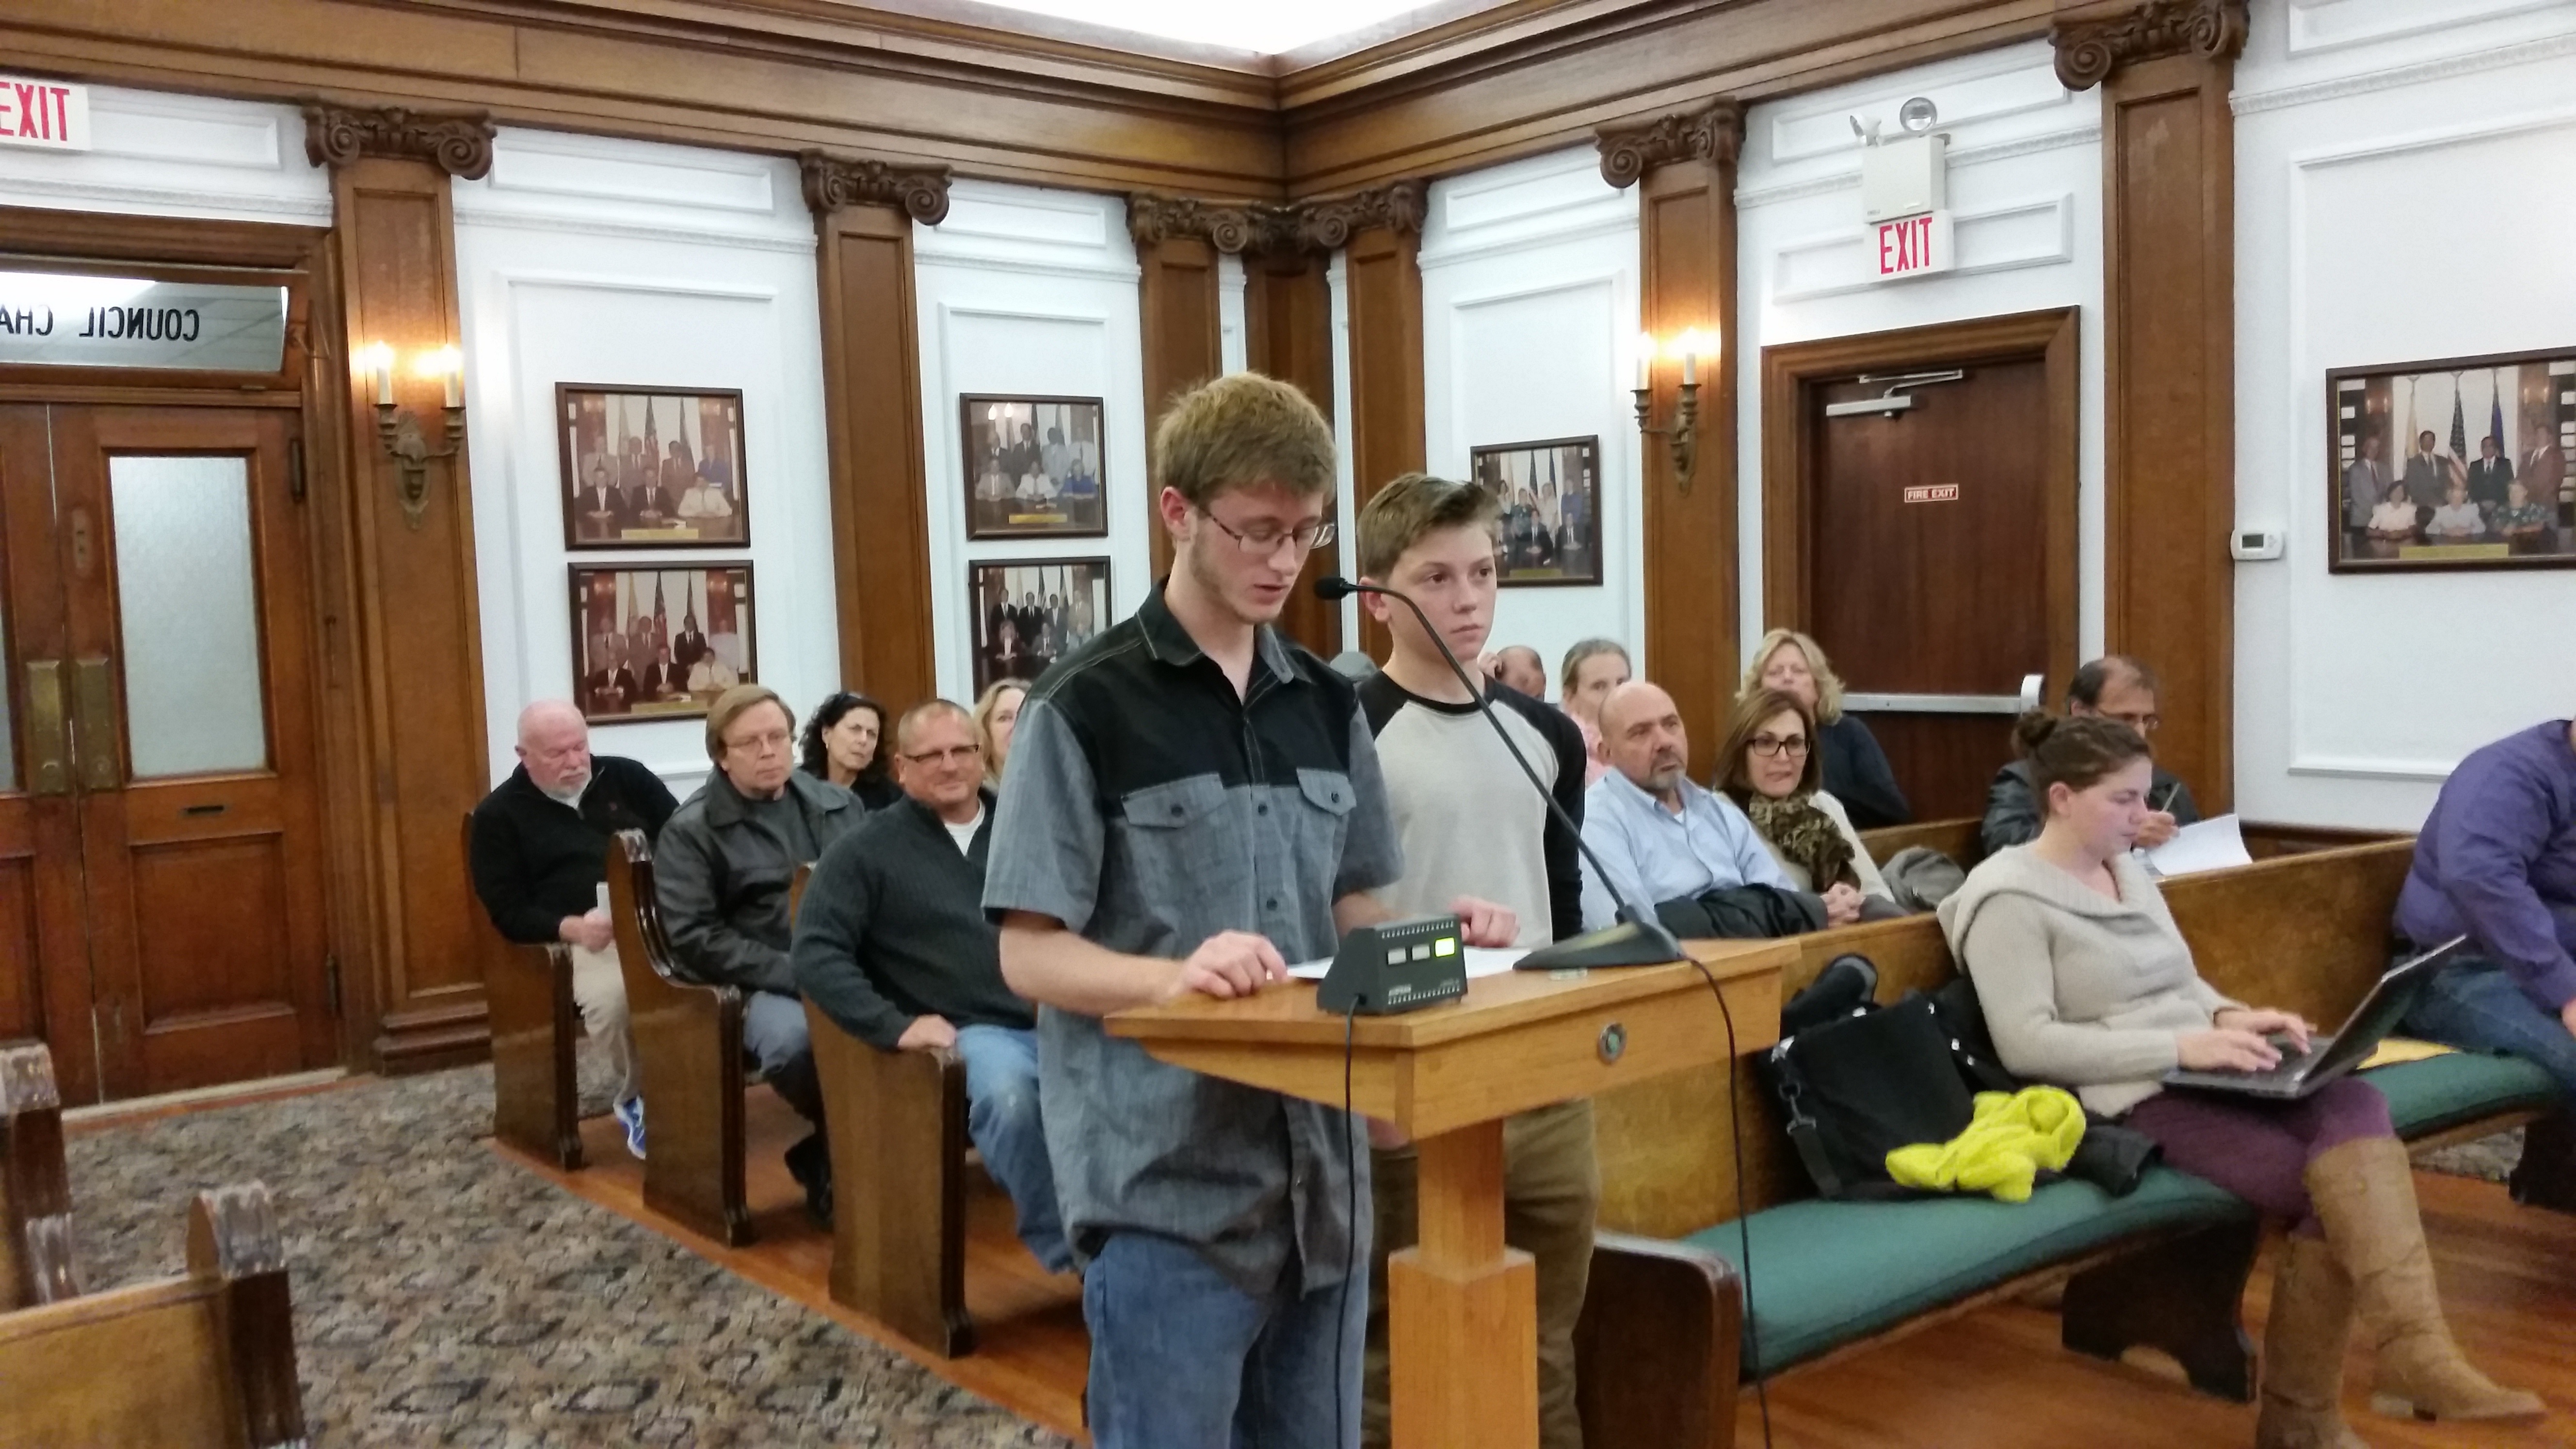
x=1933, y=493
x=1913, y=246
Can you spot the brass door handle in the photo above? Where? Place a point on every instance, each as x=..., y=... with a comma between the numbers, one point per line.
x=94, y=723
x=49, y=742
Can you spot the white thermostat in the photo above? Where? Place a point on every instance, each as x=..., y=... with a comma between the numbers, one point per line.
x=2252, y=545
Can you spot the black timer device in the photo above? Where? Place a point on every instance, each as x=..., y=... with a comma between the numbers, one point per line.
x=1398, y=966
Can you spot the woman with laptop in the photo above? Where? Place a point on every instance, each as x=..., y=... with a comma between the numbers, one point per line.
x=2087, y=984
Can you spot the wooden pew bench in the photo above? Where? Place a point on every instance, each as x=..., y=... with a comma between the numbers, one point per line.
x=1662, y=1344
x=689, y=1058
x=897, y=1125
x=536, y=1091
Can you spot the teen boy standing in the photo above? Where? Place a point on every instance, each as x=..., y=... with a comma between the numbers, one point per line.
x=1470, y=825
x=1193, y=802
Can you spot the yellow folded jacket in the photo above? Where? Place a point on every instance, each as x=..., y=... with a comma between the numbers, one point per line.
x=2009, y=1139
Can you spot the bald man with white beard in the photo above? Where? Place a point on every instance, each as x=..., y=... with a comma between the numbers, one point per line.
x=540, y=858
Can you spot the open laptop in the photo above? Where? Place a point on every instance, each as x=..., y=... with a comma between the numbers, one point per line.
x=2329, y=1057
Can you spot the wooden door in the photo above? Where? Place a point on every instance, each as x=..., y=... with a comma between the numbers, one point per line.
x=186, y=668
x=44, y=961
x=1930, y=549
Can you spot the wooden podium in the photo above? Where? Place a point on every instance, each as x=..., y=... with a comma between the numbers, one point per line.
x=1463, y=1312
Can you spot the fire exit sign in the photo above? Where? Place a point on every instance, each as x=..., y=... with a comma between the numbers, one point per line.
x=1912, y=246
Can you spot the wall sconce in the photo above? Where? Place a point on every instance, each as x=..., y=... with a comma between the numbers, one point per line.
x=1683, y=434
x=399, y=428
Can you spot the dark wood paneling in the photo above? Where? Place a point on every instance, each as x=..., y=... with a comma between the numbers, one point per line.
x=1687, y=246
x=2169, y=295
x=872, y=410
x=1183, y=346
x=419, y=637
x=1288, y=334
x=22, y=983
x=1383, y=271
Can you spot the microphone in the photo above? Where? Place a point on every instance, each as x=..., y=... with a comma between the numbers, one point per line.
x=1639, y=939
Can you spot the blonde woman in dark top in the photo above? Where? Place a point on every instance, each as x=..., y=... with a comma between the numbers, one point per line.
x=2087, y=984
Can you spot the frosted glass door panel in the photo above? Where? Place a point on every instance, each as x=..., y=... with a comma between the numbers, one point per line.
x=188, y=615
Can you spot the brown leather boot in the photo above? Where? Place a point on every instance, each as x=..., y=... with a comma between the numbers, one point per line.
x=2364, y=1192
x=2303, y=1350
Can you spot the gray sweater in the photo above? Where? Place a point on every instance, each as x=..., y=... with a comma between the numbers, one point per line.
x=2079, y=990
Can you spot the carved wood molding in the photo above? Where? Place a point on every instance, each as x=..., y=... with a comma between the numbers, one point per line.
x=2088, y=52
x=456, y=142
x=1257, y=228
x=1714, y=132
x=833, y=182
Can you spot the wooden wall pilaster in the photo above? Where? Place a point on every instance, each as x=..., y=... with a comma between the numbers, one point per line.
x=863, y=217
x=1381, y=233
x=1176, y=258
x=1288, y=334
x=2169, y=303
x=419, y=639
x=1685, y=165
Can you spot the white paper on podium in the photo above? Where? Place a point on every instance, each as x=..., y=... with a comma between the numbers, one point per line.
x=2208, y=845
x=1481, y=961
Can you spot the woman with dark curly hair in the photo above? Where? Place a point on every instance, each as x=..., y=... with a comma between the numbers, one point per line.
x=844, y=744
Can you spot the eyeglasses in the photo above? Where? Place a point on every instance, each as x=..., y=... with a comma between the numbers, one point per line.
x=1263, y=542
x=1795, y=747
x=2144, y=724
x=954, y=754
x=760, y=744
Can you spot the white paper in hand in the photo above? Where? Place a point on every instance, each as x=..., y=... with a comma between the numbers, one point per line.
x=2208, y=845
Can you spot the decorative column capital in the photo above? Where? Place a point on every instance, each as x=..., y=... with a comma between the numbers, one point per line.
x=1233, y=228
x=1265, y=228
x=456, y=142
x=833, y=182
x=1714, y=132
x=2089, y=51
x=1327, y=225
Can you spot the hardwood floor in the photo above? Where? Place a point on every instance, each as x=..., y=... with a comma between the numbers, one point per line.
x=1995, y=1380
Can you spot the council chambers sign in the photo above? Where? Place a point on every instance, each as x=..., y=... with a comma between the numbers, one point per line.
x=68, y=319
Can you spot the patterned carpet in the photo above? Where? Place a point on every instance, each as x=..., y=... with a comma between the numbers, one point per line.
x=442, y=1297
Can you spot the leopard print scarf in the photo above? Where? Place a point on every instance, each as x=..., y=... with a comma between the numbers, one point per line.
x=1807, y=836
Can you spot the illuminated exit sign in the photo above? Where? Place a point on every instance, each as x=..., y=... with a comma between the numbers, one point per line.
x=1912, y=246
x=45, y=114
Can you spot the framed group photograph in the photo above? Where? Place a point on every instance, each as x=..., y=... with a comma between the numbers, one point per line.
x=2454, y=464
x=1030, y=613
x=646, y=468
x=1551, y=497
x=660, y=643
x=1033, y=467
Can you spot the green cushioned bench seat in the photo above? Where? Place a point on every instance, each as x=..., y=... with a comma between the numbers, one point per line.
x=2442, y=1092
x=1827, y=1273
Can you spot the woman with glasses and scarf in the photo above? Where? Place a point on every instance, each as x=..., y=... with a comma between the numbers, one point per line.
x=1771, y=767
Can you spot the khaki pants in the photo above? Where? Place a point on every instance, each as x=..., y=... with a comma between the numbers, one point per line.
x=599, y=989
x=1551, y=1191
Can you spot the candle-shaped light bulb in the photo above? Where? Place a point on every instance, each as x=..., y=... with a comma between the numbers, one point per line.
x=1690, y=345
x=1645, y=361
x=448, y=367
x=379, y=360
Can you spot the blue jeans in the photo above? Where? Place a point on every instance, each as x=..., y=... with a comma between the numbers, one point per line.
x=1181, y=1358
x=2473, y=1003
x=774, y=1031
x=1002, y=1117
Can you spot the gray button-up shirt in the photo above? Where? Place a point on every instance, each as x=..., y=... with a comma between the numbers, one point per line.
x=1147, y=807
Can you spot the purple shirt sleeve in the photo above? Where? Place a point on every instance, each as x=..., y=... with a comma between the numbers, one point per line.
x=2487, y=842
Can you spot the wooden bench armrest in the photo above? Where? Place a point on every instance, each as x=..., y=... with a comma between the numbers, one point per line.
x=897, y=1122
x=208, y=1358
x=1658, y=1350
x=35, y=1187
x=688, y=1053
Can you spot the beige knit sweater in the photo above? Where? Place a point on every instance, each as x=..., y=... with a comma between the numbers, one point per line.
x=2079, y=991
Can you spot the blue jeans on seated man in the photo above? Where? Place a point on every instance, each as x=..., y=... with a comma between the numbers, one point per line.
x=1002, y=1116
x=775, y=1034
x=2474, y=1003
x=1181, y=1356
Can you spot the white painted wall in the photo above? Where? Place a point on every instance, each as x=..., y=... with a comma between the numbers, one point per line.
x=158, y=154
x=1031, y=291
x=2401, y=174
x=2025, y=188
x=1529, y=321
x=592, y=260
